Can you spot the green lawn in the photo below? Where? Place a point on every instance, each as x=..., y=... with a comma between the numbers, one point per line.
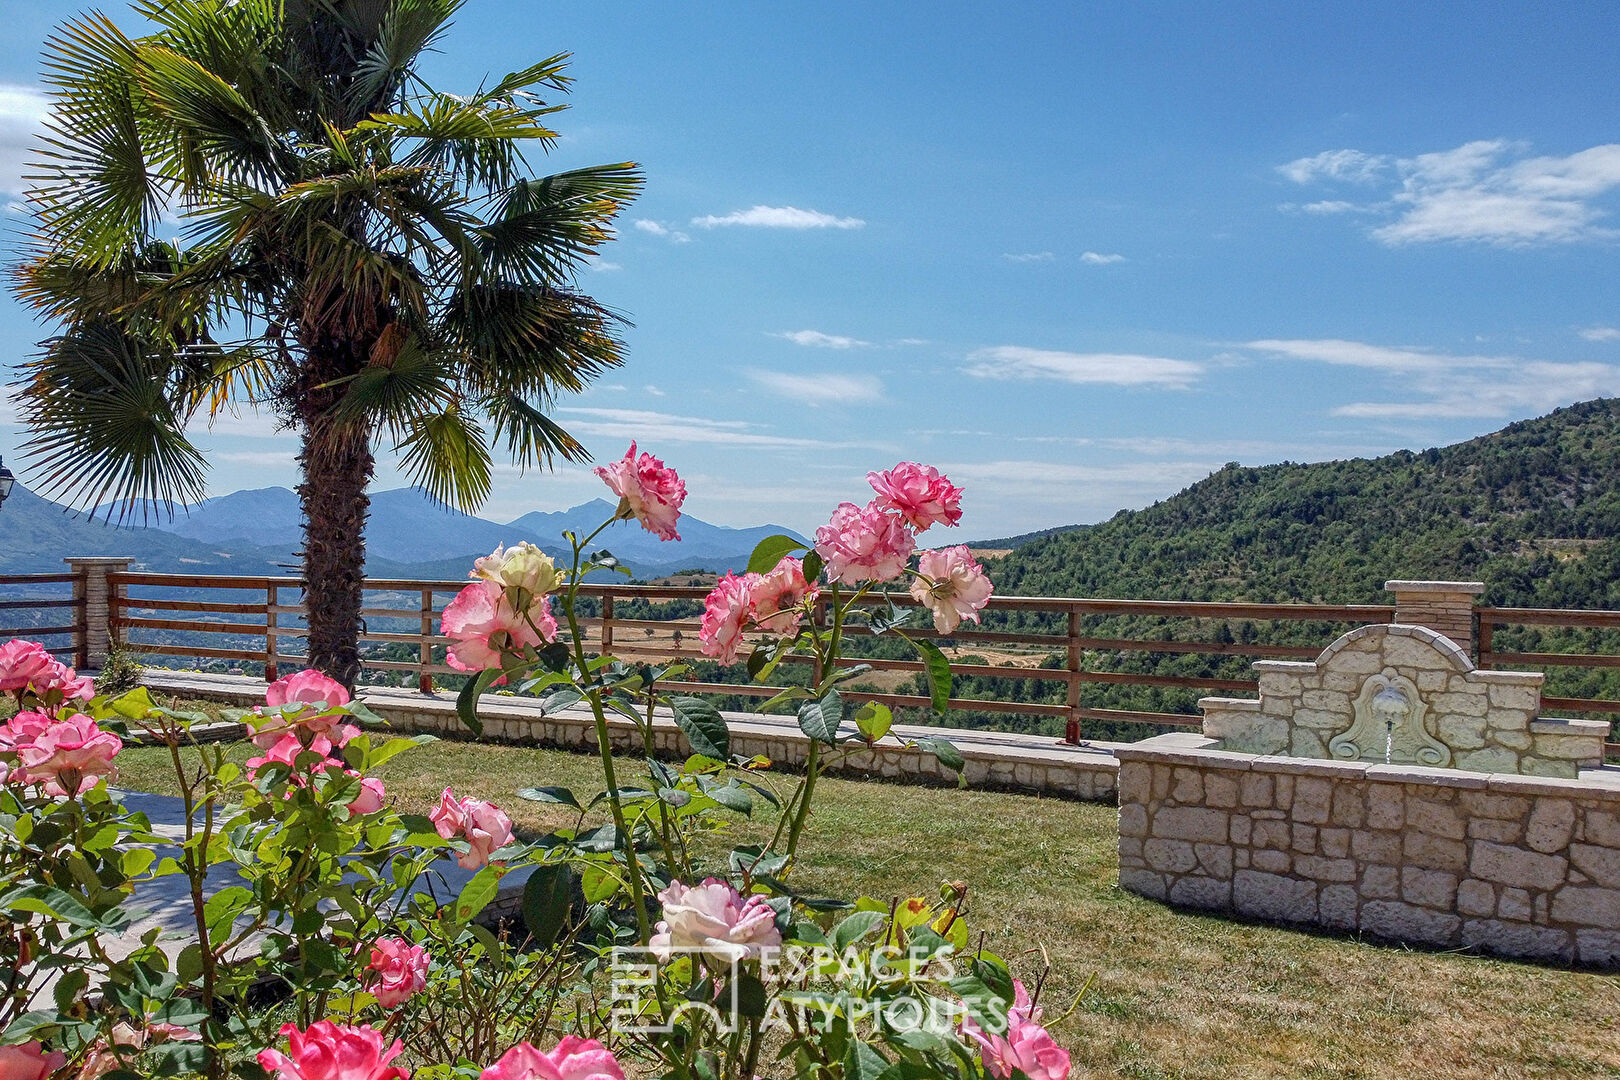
x=1177, y=994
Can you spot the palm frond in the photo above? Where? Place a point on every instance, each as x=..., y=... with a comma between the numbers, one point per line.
x=546, y=228
x=445, y=455
x=531, y=339
x=532, y=437
x=102, y=425
x=219, y=133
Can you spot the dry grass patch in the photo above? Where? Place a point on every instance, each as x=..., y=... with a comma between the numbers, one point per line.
x=1177, y=995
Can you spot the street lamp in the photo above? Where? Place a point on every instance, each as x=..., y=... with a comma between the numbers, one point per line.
x=6, y=480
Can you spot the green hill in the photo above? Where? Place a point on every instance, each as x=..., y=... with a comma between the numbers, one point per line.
x=1533, y=510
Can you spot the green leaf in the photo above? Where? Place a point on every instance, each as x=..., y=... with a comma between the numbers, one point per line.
x=134, y=705
x=861, y=1062
x=704, y=727
x=853, y=928
x=547, y=901
x=750, y=996
x=732, y=797
x=467, y=700
x=820, y=718
x=46, y=900
x=812, y=565
x=477, y=894
x=791, y=693
x=874, y=719
x=558, y=700
x=770, y=551
x=945, y=750
x=549, y=795
x=939, y=673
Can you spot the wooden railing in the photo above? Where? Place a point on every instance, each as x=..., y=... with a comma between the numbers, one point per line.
x=1489, y=618
x=260, y=620
x=62, y=634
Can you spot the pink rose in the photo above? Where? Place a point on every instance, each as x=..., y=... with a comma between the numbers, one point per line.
x=329, y=1051
x=778, y=596
x=1025, y=1046
x=648, y=491
x=26, y=666
x=483, y=623
x=483, y=825
x=21, y=729
x=917, y=493
x=573, y=1059
x=864, y=544
x=29, y=1061
x=308, y=688
x=69, y=756
x=726, y=611
x=951, y=583
x=398, y=969
x=289, y=746
x=371, y=796
x=716, y=918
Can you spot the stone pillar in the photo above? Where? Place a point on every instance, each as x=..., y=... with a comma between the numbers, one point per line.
x=95, y=594
x=1446, y=607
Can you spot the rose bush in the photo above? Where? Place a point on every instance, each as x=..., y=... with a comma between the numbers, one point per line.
x=368, y=919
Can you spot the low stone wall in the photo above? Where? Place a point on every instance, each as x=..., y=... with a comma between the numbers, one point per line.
x=993, y=759
x=1514, y=865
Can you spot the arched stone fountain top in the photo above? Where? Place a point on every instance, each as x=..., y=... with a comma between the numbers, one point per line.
x=1444, y=646
x=1406, y=694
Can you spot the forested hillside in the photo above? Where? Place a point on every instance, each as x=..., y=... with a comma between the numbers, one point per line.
x=1533, y=510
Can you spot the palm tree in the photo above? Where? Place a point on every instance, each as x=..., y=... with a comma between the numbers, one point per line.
x=358, y=252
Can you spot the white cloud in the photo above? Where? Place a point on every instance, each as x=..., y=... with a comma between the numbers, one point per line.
x=1352, y=166
x=602, y=266
x=1029, y=256
x=1329, y=206
x=260, y=458
x=653, y=390
x=1097, y=258
x=22, y=113
x=1448, y=386
x=659, y=427
x=1084, y=489
x=1113, y=369
x=1486, y=191
x=655, y=228
x=779, y=217
x=1601, y=333
x=816, y=339
x=826, y=389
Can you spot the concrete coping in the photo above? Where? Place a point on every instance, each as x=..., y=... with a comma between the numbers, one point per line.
x=1470, y=588
x=99, y=560
x=1602, y=784
x=1558, y=725
x=1285, y=667
x=1229, y=704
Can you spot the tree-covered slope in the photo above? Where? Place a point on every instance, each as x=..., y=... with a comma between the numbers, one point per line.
x=1533, y=510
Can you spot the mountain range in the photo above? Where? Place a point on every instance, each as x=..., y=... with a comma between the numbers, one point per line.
x=407, y=535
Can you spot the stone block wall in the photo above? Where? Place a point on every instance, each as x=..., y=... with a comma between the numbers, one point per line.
x=1507, y=864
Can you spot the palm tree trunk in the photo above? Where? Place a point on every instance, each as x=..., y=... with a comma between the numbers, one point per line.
x=337, y=465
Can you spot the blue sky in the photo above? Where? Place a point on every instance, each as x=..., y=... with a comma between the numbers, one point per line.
x=1078, y=258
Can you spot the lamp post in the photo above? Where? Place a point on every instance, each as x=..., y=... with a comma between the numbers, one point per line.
x=6, y=480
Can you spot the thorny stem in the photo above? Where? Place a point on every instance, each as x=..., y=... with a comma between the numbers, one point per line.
x=604, y=745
